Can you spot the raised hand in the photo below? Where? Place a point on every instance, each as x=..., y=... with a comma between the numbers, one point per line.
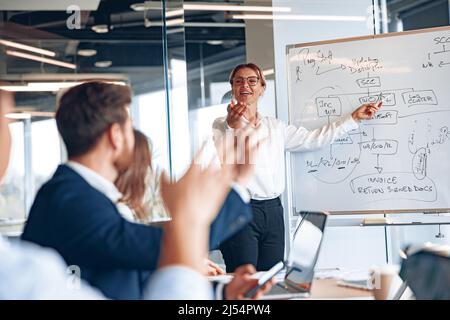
x=193, y=202
x=237, y=150
x=235, y=112
x=366, y=111
x=199, y=194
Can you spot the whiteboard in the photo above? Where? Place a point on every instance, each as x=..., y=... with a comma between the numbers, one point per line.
x=399, y=161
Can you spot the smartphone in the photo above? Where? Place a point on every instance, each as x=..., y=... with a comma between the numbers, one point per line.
x=265, y=278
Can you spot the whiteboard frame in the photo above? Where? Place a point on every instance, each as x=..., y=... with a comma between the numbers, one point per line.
x=359, y=38
x=350, y=39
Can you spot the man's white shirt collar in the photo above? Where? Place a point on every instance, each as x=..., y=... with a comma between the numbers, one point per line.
x=96, y=181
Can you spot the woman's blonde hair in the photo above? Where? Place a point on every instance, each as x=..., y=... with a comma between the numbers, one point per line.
x=132, y=182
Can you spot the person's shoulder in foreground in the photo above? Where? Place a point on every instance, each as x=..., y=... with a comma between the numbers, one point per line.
x=29, y=272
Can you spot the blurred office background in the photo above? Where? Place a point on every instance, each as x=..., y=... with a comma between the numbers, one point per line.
x=177, y=55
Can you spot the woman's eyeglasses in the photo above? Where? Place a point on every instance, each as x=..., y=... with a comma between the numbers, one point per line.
x=252, y=81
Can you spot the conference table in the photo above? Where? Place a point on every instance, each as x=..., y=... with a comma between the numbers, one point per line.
x=329, y=289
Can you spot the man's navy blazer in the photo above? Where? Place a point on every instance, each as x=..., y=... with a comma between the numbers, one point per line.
x=114, y=255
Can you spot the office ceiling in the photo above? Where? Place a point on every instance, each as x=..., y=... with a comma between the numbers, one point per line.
x=129, y=43
x=134, y=41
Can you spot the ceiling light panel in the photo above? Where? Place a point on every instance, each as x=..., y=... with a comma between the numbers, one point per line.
x=25, y=47
x=40, y=59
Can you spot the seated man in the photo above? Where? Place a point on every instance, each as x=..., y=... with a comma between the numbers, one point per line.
x=30, y=272
x=75, y=211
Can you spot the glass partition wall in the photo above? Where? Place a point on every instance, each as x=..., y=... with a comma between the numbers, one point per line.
x=49, y=46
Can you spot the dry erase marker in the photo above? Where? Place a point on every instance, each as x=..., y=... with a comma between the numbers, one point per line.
x=380, y=97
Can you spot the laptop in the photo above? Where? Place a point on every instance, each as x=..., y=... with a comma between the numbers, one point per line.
x=302, y=258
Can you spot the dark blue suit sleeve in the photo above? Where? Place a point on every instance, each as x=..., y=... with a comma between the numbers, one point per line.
x=96, y=235
x=232, y=217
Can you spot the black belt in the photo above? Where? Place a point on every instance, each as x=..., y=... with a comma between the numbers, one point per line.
x=270, y=202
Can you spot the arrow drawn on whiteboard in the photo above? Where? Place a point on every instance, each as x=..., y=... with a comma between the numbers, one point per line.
x=318, y=72
x=411, y=147
x=379, y=169
x=444, y=50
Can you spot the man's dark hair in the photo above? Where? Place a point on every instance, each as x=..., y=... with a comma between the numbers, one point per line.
x=86, y=111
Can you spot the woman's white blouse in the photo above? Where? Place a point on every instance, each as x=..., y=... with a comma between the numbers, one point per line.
x=268, y=181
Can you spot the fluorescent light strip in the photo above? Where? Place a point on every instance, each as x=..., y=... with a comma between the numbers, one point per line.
x=49, y=86
x=18, y=115
x=174, y=22
x=68, y=84
x=200, y=6
x=215, y=24
x=222, y=7
x=268, y=72
x=41, y=59
x=27, y=48
x=20, y=89
x=32, y=88
x=174, y=13
x=297, y=17
x=23, y=115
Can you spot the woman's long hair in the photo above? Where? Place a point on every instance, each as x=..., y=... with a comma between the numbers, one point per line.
x=132, y=182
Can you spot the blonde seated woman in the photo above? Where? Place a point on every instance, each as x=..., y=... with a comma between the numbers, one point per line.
x=141, y=200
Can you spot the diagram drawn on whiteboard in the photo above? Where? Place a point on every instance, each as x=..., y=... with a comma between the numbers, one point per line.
x=390, y=156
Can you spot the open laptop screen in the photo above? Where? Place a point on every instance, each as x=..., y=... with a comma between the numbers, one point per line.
x=305, y=250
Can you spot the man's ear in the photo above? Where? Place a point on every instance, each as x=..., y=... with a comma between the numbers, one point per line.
x=115, y=136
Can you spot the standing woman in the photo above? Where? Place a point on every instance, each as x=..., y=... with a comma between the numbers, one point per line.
x=261, y=243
